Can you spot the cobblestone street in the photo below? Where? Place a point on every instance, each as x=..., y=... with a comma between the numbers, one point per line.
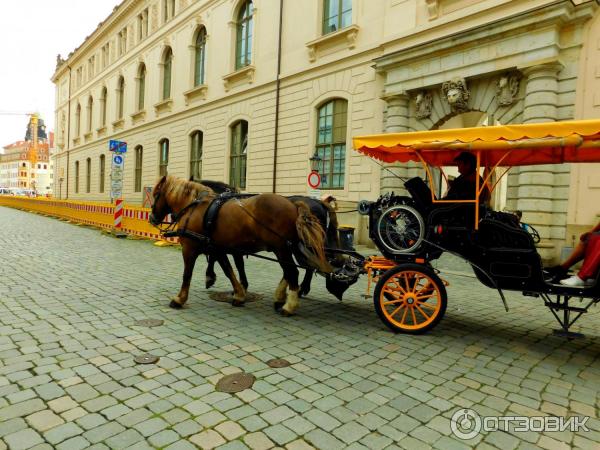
x=69, y=297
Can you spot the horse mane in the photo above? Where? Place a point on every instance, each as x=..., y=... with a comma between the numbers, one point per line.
x=180, y=189
x=219, y=186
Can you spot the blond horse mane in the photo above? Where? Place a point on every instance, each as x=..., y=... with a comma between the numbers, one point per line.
x=179, y=189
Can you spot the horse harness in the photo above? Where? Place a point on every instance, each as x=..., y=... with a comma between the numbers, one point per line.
x=209, y=219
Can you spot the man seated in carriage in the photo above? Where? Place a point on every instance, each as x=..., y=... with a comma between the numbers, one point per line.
x=463, y=187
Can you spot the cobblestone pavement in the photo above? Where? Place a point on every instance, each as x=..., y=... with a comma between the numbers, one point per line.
x=69, y=298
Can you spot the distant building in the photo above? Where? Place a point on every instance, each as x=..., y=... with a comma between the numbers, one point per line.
x=16, y=170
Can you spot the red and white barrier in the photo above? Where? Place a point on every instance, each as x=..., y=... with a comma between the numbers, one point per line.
x=118, y=213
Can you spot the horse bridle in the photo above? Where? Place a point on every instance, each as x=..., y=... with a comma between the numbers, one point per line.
x=176, y=217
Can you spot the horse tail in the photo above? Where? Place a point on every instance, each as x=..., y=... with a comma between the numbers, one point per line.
x=312, y=236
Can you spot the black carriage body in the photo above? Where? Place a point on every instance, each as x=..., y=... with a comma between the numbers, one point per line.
x=502, y=254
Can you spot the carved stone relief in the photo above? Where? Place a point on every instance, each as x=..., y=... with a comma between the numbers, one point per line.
x=423, y=103
x=507, y=88
x=456, y=94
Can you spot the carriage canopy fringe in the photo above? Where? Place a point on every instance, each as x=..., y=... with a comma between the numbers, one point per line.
x=507, y=145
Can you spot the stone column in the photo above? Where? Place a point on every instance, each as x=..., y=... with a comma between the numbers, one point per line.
x=541, y=191
x=397, y=122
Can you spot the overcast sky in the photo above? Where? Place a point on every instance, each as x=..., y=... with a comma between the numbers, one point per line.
x=32, y=33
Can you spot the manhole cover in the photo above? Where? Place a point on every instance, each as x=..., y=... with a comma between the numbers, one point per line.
x=227, y=297
x=148, y=322
x=278, y=363
x=146, y=358
x=236, y=382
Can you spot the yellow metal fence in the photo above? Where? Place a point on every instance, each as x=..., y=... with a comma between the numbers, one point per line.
x=135, y=218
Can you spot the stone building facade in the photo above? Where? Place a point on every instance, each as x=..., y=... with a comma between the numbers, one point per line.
x=225, y=90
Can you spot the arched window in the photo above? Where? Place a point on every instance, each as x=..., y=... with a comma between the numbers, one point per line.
x=77, y=177
x=163, y=146
x=141, y=87
x=238, y=155
x=243, y=47
x=199, y=56
x=102, y=173
x=139, y=158
x=331, y=143
x=78, y=120
x=103, y=99
x=90, y=114
x=88, y=175
x=196, y=155
x=120, y=97
x=167, y=63
x=337, y=14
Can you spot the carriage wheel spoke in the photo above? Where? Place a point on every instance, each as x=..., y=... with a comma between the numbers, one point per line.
x=424, y=287
x=395, y=311
x=412, y=311
x=427, y=305
x=422, y=312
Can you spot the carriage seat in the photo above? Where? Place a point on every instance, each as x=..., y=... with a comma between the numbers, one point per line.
x=420, y=193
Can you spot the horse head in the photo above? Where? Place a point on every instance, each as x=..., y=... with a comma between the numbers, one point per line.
x=160, y=205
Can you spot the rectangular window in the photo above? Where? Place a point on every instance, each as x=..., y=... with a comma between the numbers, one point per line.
x=105, y=54
x=76, y=177
x=239, y=149
x=79, y=78
x=88, y=175
x=142, y=25
x=91, y=66
x=164, y=157
x=337, y=14
x=196, y=156
x=122, y=41
x=102, y=172
x=139, y=154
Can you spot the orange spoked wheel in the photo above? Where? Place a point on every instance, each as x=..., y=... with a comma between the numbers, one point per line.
x=410, y=298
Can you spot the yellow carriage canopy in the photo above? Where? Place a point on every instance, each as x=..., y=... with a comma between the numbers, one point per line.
x=507, y=145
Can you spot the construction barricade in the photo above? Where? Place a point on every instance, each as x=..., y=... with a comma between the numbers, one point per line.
x=134, y=219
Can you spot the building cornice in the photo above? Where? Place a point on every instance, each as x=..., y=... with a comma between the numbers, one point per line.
x=555, y=14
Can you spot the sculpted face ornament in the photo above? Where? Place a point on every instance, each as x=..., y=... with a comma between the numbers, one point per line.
x=423, y=103
x=456, y=93
x=507, y=88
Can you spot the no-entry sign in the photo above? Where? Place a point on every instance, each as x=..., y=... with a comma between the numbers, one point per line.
x=314, y=179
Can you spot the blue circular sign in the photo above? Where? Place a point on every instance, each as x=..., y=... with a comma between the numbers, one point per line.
x=118, y=159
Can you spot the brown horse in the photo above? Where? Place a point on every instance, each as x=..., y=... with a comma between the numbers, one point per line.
x=258, y=223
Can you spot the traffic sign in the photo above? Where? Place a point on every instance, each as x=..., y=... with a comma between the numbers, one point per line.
x=116, y=175
x=117, y=146
x=314, y=179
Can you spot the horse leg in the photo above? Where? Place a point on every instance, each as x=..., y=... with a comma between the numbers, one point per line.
x=239, y=264
x=290, y=274
x=280, y=294
x=211, y=276
x=190, y=254
x=305, y=286
x=239, y=293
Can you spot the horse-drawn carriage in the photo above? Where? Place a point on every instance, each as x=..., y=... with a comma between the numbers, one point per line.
x=410, y=231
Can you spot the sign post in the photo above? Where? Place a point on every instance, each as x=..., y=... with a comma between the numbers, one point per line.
x=119, y=149
x=314, y=182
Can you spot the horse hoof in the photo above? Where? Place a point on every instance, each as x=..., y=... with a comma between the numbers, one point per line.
x=278, y=306
x=237, y=303
x=284, y=313
x=175, y=305
x=303, y=293
x=209, y=284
